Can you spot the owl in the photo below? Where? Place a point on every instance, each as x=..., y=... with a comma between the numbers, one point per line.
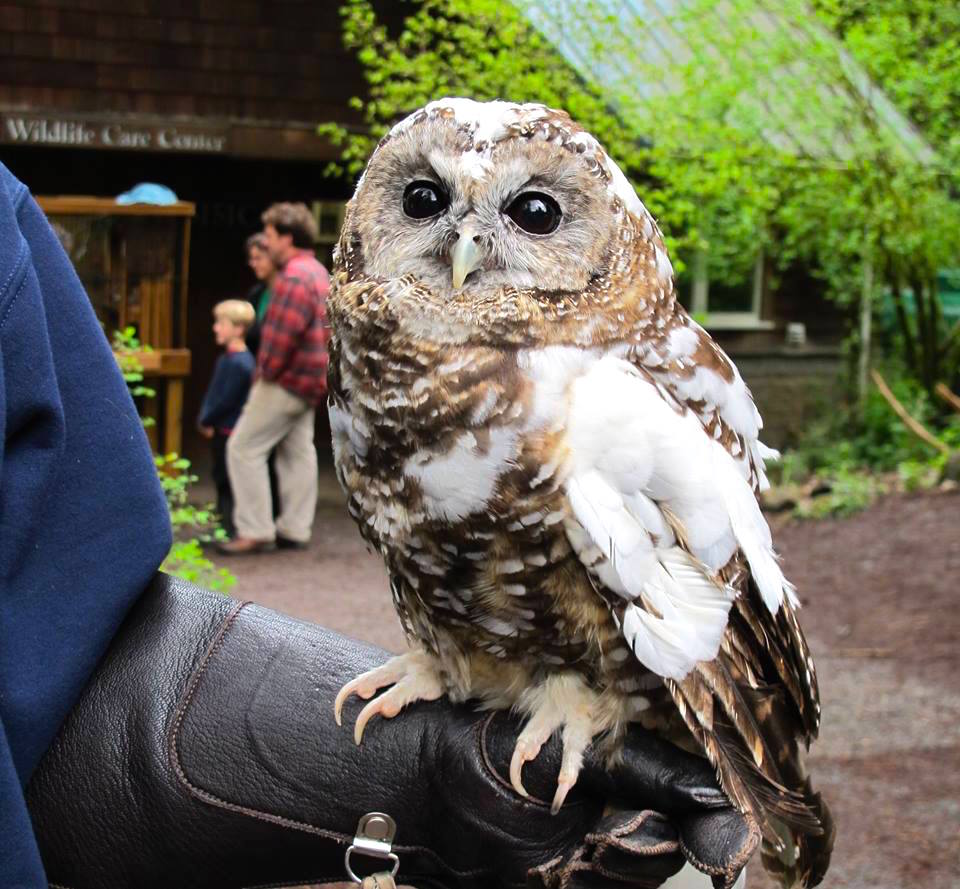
x=559, y=467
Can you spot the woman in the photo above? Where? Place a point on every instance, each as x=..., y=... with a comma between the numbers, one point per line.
x=259, y=296
x=258, y=258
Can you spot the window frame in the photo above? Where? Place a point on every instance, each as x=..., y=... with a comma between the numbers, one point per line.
x=700, y=298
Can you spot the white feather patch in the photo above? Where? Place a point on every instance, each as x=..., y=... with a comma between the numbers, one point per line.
x=637, y=467
x=461, y=481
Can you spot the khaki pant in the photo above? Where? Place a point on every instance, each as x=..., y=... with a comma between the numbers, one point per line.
x=273, y=418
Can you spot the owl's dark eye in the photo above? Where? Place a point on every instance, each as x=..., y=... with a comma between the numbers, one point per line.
x=535, y=212
x=423, y=199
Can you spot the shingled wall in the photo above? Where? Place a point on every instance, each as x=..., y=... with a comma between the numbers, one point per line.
x=273, y=61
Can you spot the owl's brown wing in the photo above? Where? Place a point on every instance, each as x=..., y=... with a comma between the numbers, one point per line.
x=666, y=520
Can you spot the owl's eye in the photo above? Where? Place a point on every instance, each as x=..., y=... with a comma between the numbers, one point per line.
x=535, y=212
x=423, y=199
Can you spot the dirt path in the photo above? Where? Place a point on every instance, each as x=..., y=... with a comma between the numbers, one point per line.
x=882, y=597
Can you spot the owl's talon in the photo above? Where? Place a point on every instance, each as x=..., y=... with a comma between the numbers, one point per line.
x=341, y=698
x=522, y=753
x=366, y=685
x=563, y=788
x=577, y=734
x=378, y=706
x=414, y=678
x=562, y=701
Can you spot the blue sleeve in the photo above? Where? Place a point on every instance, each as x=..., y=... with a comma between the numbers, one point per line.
x=83, y=523
x=227, y=392
x=211, y=398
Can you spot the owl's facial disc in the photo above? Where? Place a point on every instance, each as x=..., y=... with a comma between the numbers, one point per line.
x=523, y=214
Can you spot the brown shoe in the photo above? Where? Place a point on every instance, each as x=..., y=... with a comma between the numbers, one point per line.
x=245, y=546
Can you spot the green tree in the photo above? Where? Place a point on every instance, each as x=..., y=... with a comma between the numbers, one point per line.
x=911, y=48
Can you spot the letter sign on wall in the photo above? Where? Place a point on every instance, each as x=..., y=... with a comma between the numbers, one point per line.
x=54, y=130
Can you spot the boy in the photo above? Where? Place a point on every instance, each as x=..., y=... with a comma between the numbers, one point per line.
x=227, y=393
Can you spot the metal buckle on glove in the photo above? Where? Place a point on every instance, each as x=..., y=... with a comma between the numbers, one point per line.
x=375, y=833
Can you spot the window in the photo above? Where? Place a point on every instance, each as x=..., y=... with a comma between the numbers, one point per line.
x=724, y=305
x=329, y=216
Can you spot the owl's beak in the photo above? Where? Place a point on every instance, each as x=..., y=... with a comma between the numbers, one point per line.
x=465, y=256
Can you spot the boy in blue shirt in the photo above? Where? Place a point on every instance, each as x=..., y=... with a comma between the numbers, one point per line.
x=227, y=394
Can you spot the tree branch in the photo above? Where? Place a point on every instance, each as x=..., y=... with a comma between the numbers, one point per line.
x=911, y=424
x=949, y=397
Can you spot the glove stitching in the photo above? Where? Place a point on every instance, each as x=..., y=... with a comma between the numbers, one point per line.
x=321, y=880
x=622, y=829
x=736, y=864
x=213, y=800
x=174, y=752
x=578, y=862
x=481, y=735
x=616, y=840
x=326, y=878
x=664, y=847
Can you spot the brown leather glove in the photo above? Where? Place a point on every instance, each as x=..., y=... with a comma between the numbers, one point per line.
x=204, y=754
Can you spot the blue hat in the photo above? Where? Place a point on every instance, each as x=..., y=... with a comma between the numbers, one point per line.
x=148, y=193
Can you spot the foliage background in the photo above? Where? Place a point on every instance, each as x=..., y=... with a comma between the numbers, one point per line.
x=193, y=525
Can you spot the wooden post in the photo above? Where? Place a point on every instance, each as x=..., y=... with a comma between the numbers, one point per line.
x=184, y=277
x=173, y=417
x=866, y=327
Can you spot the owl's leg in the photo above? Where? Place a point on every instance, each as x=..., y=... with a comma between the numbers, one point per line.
x=562, y=701
x=414, y=677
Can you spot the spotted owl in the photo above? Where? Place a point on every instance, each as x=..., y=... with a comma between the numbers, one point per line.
x=559, y=466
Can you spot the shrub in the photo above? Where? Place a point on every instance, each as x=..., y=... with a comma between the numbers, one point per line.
x=192, y=525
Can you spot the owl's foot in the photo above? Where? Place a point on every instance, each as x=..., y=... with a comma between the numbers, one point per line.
x=414, y=677
x=560, y=702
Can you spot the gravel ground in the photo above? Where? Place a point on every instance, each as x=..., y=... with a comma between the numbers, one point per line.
x=883, y=619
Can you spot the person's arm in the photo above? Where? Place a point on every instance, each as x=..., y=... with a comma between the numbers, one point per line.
x=291, y=310
x=83, y=522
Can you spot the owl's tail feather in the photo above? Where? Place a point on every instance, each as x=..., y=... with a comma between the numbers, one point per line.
x=804, y=859
x=795, y=822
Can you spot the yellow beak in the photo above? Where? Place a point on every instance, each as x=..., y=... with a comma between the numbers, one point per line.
x=465, y=257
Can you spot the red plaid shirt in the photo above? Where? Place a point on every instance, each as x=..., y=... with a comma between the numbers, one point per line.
x=293, y=340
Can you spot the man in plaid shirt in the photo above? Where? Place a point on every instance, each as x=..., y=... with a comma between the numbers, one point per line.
x=291, y=380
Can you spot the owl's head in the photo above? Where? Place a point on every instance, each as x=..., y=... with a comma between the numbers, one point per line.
x=478, y=199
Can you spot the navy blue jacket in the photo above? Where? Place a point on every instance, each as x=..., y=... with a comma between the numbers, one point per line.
x=228, y=390
x=83, y=523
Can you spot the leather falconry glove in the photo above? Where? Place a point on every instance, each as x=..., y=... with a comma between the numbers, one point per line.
x=204, y=754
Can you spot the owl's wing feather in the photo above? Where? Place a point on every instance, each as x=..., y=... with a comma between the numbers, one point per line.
x=668, y=508
x=700, y=374
x=660, y=510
